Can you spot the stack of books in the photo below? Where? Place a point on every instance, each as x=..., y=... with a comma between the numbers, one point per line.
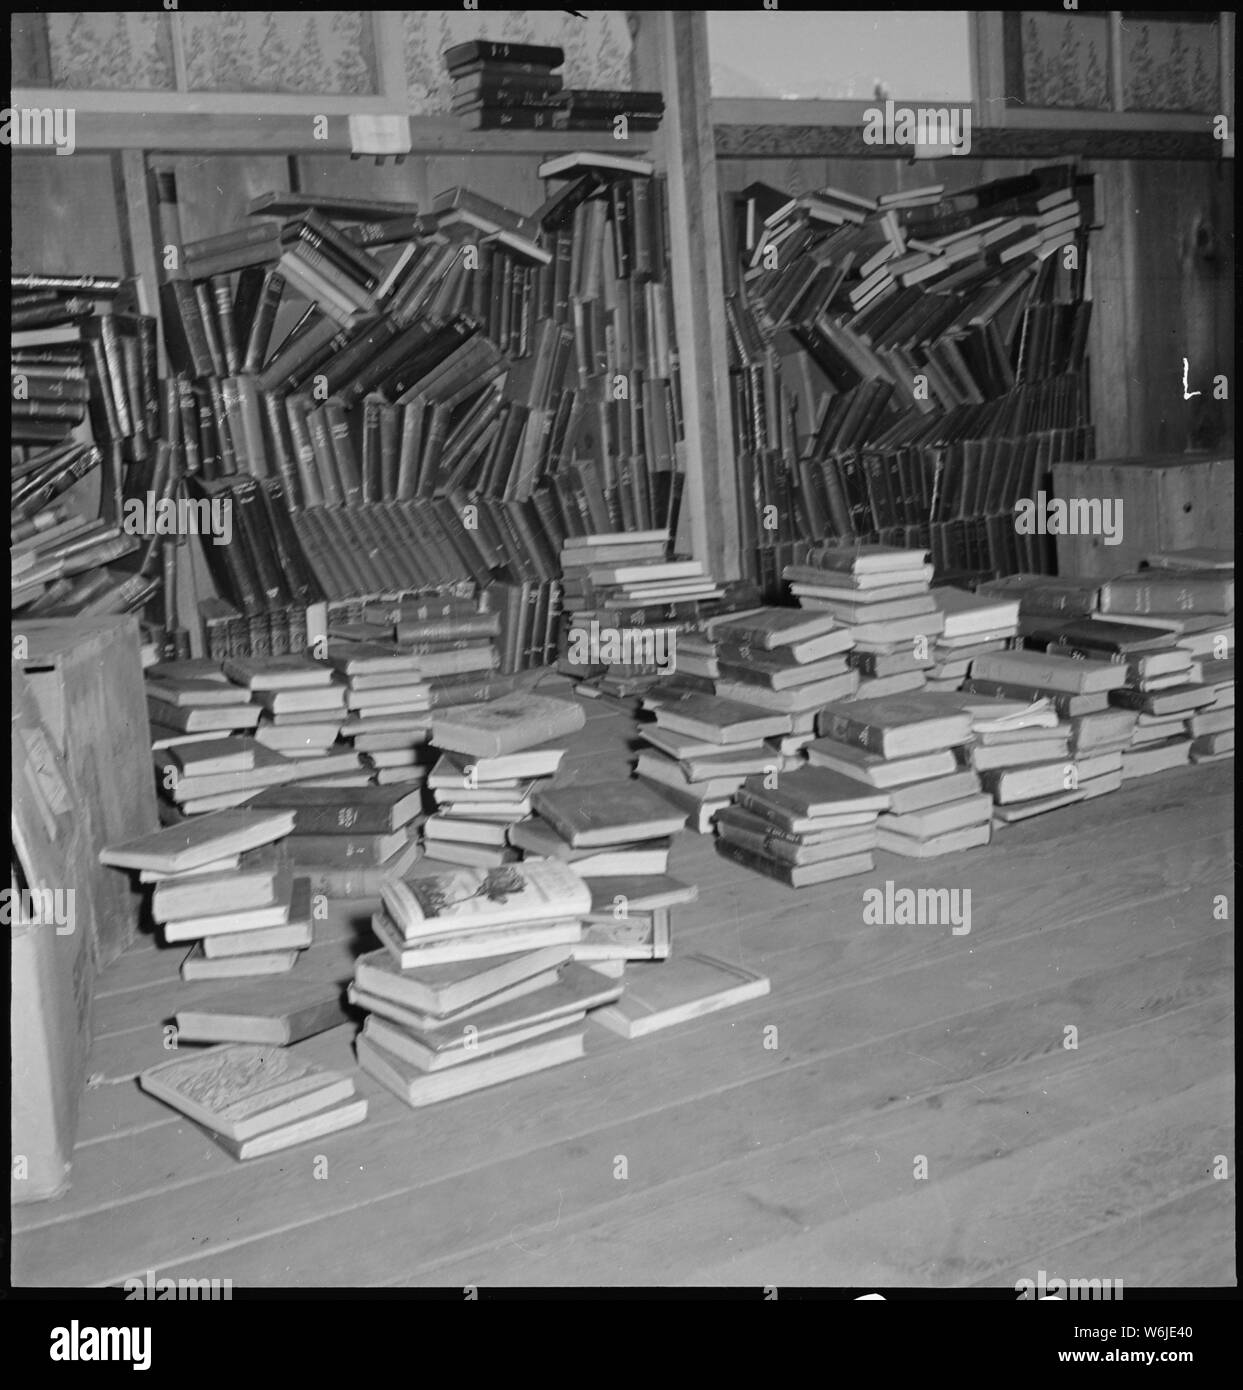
x=702, y=747
x=256, y=1100
x=975, y=625
x=493, y=755
x=475, y=984
x=806, y=826
x=785, y=660
x=205, y=756
x=219, y=883
x=631, y=918
x=882, y=595
x=620, y=827
x=1212, y=726
x=388, y=706
x=1079, y=691
x=482, y=803
x=303, y=709
x=499, y=85
x=910, y=748
x=349, y=829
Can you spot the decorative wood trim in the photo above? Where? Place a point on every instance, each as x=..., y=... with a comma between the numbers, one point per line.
x=276, y=133
x=1009, y=142
x=390, y=56
x=711, y=497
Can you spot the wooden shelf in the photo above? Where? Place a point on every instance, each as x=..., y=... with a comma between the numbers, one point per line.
x=296, y=134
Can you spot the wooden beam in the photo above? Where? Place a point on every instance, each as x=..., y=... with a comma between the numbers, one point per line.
x=220, y=132
x=680, y=40
x=1120, y=140
x=143, y=255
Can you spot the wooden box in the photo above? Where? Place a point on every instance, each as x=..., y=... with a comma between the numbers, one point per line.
x=1170, y=502
x=86, y=677
x=51, y=915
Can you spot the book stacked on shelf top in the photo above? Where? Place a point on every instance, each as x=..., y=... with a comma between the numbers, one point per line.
x=498, y=85
x=256, y=1100
x=881, y=595
x=475, y=984
x=907, y=745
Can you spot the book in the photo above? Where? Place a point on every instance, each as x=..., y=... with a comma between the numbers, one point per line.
x=417, y=1087
x=277, y=1013
x=356, y=811
x=245, y=1091
x=229, y=890
x=718, y=721
x=506, y=725
x=574, y=990
x=199, y=841
x=675, y=991
x=471, y=944
x=471, y=900
x=315, y=1126
x=452, y=986
x=606, y=814
x=199, y=966
x=801, y=875
x=952, y=842
x=899, y=726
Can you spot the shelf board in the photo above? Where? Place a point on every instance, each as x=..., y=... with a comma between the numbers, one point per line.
x=294, y=134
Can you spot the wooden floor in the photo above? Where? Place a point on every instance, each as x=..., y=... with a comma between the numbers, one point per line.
x=791, y=1163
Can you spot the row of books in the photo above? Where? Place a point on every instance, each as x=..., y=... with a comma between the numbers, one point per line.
x=497, y=86
x=876, y=343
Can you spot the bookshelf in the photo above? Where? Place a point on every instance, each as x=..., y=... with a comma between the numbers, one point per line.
x=1173, y=285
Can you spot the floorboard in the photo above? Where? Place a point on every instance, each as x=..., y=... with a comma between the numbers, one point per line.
x=788, y=1163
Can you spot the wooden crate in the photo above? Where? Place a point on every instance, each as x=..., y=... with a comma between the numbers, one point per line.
x=86, y=676
x=1170, y=502
x=50, y=956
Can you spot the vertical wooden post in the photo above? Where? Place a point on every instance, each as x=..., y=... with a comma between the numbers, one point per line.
x=138, y=234
x=671, y=51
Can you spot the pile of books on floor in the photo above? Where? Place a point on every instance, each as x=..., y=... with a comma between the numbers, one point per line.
x=975, y=625
x=913, y=748
x=474, y=984
x=494, y=756
x=881, y=594
x=214, y=746
x=256, y=1100
x=805, y=826
x=701, y=749
x=388, y=714
x=223, y=884
x=1077, y=691
x=498, y=85
x=627, y=606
